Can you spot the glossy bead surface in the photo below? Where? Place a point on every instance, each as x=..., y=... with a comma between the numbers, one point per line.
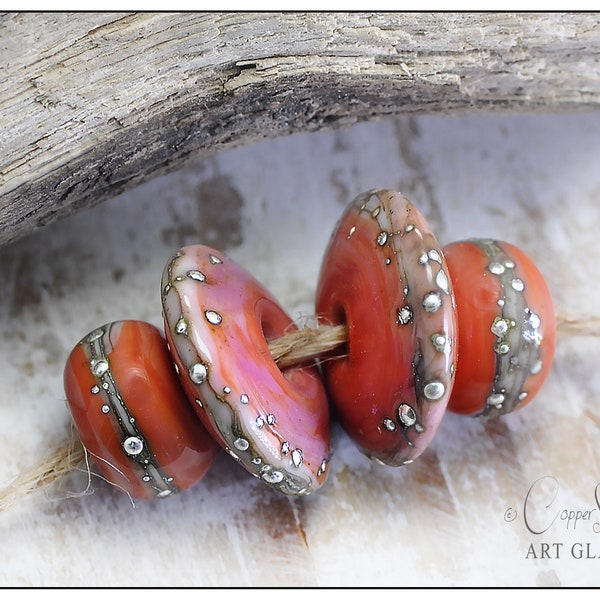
x=132, y=414
x=385, y=277
x=506, y=327
x=218, y=319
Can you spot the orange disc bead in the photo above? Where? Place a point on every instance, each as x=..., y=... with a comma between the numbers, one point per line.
x=132, y=414
x=506, y=327
x=384, y=277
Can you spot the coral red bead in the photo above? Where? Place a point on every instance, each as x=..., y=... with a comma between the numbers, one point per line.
x=506, y=327
x=132, y=414
x=218, y=319
x=385, y=277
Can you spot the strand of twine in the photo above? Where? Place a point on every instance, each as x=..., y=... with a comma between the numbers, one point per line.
x=294, y=348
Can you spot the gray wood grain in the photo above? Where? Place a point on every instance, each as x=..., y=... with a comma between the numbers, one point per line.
x=94, y=103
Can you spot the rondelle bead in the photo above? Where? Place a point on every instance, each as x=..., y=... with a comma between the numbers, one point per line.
x=132, y=414
x=384, y=276
x=218, y=319
x=506, y=327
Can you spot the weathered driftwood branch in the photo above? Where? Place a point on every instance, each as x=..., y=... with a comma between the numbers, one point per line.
x=91, y=104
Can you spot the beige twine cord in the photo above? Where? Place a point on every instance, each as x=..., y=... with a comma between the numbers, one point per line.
x=60, y=462
x=294, y=348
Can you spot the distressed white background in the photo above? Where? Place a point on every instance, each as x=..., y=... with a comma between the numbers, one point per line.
x=530, y=180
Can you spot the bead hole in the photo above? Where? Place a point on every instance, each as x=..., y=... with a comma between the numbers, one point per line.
x=339, y=317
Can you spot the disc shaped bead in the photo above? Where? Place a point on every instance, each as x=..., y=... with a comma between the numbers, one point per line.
x=384, y=276
x=506, y=327
x=131, y=412
x=274, y=422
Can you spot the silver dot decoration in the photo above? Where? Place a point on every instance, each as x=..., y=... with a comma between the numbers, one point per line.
x=407, y=415
x=435, y=256
x=351, y=232
x=272, y=476
x=534, y=320
x=500, y=326
x=297, y=458
x=285, y=448
x=181, y=326
x=213, y=317
x=536, y=367
x=215, y=260
x=405, y=315
x=434, y=390
x=496, y=399
x=95, y=389
x=432, y=302
x=99, y=367
x=440, y=342
x=382, y=238
x=517, y=285
x=441, y=280
x=531, y=328
x=322, y=468
x=241, y=444
x=244, y=399
x=105, y=408
x=271, y=420
x=197, y=276
x=517, y=329
x=133, y=445
x=198, y=373
x=432, y=254
x=389, y=424
x=260, y=422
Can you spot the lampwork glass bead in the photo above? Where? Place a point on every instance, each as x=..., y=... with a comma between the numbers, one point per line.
x=132, y=414
x=384, y=276
x=218, y=319
x=506, y=327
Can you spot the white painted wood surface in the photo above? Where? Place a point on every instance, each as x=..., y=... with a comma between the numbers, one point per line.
x=446, y=519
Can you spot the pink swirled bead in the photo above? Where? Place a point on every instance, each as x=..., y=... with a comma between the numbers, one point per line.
x=385, y=277
x=218, y=319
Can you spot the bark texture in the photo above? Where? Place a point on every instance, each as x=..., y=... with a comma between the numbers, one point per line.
x=94, y=103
